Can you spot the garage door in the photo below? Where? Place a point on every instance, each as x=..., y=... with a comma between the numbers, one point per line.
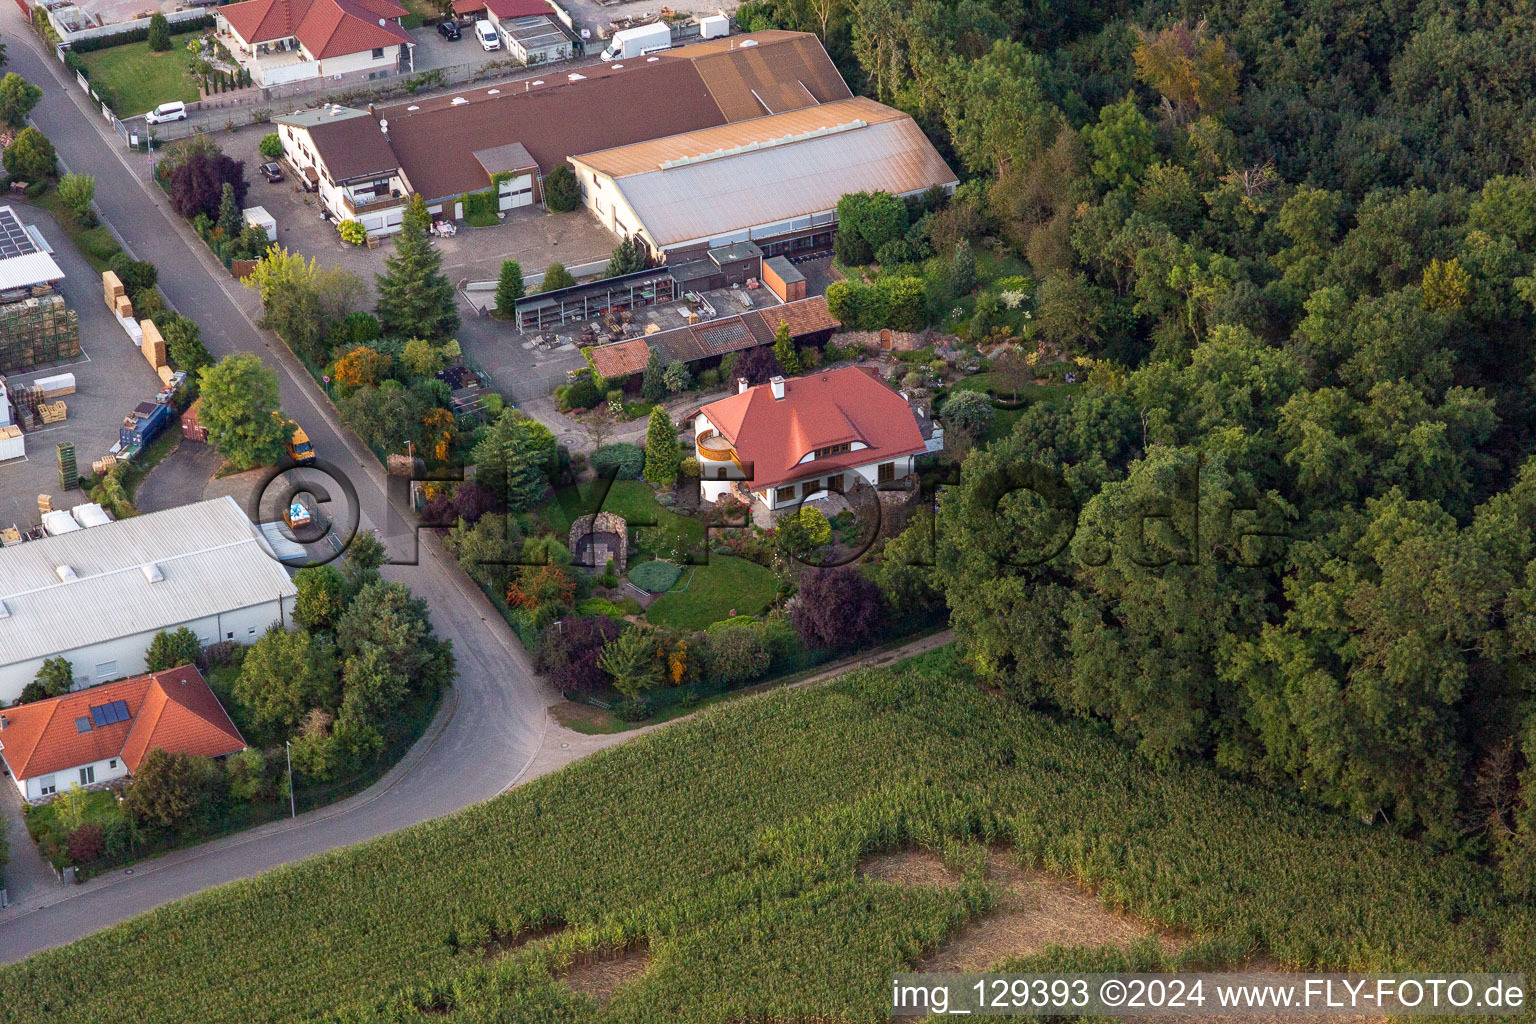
x=516, y=192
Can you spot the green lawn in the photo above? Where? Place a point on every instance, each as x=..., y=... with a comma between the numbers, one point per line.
x=708, y=593
x=728, y=846
x=635, y=502
x=140, y=79
x=1030, y=392
x=1004, y=419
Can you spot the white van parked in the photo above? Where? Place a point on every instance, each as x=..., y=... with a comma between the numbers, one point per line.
x=489, y=38
x=174, y=111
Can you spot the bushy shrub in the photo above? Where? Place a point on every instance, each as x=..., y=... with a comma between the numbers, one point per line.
x=736, y=654
x=271, y=146
x=568, y=652
x=562, y=192
x=353, y=232
x=656, y=576
x=85, y=843
x=580, y=393
x=622, y=459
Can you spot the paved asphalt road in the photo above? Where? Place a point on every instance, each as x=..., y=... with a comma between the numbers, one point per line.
x=498, y=717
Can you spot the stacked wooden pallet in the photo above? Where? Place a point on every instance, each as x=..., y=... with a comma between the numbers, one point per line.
x=37, y=331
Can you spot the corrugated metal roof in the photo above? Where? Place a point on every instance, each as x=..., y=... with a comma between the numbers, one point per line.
x=711, y=197
x=26, y=271
x=643, y=157
x=209, y=555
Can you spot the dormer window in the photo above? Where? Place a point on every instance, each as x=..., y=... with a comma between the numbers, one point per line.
x=836, y=449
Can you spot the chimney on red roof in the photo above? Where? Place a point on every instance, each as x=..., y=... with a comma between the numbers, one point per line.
x=4, y=721
x=777, y=384
x=742, y=385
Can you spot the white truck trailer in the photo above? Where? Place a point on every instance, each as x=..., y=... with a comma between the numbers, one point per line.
x=629, y=43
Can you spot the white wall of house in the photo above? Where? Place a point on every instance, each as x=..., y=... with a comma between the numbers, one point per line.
x=301, y=152
x=46, y=787
x=124, y=656
x=815, y=488
x=381, y=59
x=717, y=478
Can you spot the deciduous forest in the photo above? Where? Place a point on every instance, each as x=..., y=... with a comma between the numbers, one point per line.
x=1294, y=244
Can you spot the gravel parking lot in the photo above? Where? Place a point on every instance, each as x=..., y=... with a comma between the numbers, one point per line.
x=111, y=377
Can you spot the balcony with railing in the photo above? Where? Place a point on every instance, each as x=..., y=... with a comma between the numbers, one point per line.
x=361, y=204
x=714, y=447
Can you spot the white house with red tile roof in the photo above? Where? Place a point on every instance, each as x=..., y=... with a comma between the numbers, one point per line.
x=281, y=41
x=799, y=439
x=90, y=737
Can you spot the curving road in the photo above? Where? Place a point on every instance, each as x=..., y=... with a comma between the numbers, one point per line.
x=494, y=720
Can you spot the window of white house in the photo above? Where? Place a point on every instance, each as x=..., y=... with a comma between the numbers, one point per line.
x=230, y=635
x=87, y=775
x=251, y=631
x=106, y=670
x=46, y=787
x=112, y=764
x=785, y=493
x=378, y=53
x=887, y=472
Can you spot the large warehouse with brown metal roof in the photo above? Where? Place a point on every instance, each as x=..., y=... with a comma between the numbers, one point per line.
x=741, y=138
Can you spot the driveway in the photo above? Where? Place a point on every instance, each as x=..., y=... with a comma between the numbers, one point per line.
x=180, y=477
x=494, y=720
x=28, y=877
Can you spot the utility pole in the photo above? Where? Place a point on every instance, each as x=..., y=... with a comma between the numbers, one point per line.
x=293, y=811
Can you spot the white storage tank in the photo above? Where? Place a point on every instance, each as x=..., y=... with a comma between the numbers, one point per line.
x=714, y=26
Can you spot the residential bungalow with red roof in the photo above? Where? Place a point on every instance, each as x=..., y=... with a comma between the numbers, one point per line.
x=799, y=439
x=91, y=737
x=280, y=41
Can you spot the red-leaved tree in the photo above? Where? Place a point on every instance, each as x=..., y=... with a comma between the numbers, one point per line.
x=568, y=652
x=198, y=185
x=836, y=608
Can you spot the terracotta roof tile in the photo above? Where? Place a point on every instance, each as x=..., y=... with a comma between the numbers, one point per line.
x=817, y=411
x=174, y=710
x=715, y=337
x=622, y=359
x=327, y=28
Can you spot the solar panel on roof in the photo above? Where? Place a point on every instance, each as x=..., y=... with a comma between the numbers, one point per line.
x=725, y=335
x=109, y=714
x=14, y=240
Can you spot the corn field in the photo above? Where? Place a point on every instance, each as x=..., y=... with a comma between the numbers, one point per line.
x=727, y=847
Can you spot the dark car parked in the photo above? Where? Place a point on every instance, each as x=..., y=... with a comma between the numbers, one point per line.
x=449, y=30
x=272, y=172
